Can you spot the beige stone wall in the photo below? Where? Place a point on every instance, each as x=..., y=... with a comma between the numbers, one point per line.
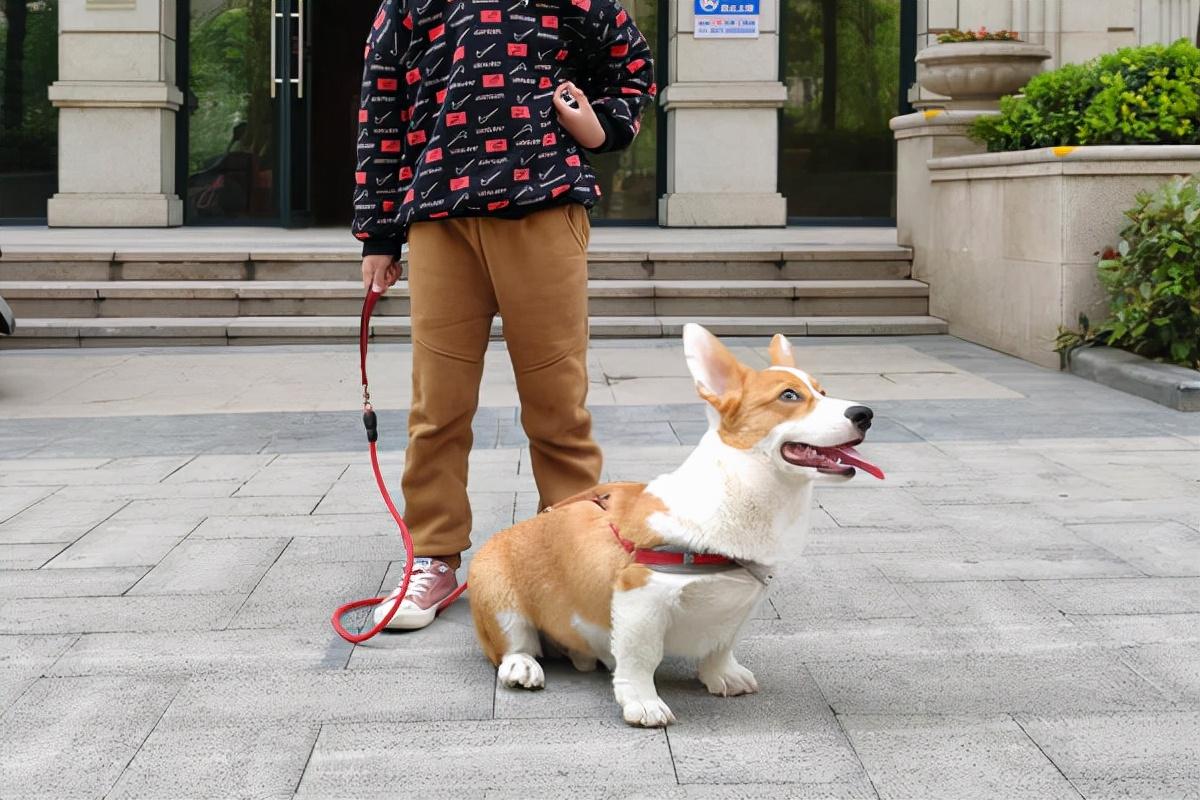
x=1072, y=30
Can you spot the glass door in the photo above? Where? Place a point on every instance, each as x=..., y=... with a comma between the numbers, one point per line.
x=842, y=64
x=246, y=127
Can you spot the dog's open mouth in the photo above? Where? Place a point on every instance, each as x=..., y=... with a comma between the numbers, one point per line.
x=840, y=460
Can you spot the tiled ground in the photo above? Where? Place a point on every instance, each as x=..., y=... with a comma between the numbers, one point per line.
x=1014, y=613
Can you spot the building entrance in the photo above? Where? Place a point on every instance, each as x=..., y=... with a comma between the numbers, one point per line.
x=272, y=105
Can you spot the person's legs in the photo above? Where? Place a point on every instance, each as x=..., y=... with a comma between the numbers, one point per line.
x=538, y=266
x=452, y=309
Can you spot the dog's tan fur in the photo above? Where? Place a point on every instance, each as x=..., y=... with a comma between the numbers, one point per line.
x=557, y=581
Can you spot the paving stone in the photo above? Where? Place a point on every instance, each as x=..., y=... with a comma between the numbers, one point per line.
x=117, y=614
x=298, y=526
x=451, y=641
x=569, y=694
x=326, y=549
x=822, y=587
x=72, y=737
x=1154, y=548
x=953, y=757
x=28, y=556
x=1144, y=628
x=123, y=544
x=53, y=520
x=1131, y=754
x=1122, y=596
x=93, y=471
x=188, y=653
x=786, y=733
x=984, y=603
x=212, y=566
x=828, y=538
x=15, y=499
x=1062, y=682
x=87, y=582
x=221, y=468
x=874, y=507
x=184, y=759
x=306, y=479
x=1174, y=667
x=25, y=659
x=197, y=509
x=303, y=596
x=432, y=691
x=149, y=491
x=375, y=759
x=805, y=639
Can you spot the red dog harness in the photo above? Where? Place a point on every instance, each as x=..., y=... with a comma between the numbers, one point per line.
x=664, y=556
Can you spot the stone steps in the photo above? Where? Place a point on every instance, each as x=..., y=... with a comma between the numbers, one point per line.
x=224, y=291
x=812, y=262
x=168, y=331
x=201, y=299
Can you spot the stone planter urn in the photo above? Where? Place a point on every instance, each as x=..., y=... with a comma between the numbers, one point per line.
x=975, y=75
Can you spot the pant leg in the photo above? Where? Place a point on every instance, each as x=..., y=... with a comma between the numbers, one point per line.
x=452, y=310
x=538, y=266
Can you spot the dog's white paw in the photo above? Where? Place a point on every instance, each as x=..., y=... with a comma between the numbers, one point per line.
x=523, y=670
x=730, y=681
x=651, y=713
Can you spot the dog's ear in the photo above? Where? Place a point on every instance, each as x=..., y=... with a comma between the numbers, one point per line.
x=781, y=352
x=714, y=368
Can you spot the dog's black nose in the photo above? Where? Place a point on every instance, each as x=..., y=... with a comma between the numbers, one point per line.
x=861, y=416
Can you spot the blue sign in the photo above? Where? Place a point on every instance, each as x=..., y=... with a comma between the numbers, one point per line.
x=722, y=19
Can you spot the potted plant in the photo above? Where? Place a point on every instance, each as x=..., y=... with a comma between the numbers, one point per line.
x=974, y=69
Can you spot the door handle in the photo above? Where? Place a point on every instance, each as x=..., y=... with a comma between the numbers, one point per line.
x=275, y=80
x=299, y=79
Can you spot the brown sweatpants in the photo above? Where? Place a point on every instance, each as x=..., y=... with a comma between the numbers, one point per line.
x=533, y=272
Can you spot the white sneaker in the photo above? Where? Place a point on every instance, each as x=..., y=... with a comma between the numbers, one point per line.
x=432, y=582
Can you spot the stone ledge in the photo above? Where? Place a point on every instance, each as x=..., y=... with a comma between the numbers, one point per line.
x=1165, y=384
x=1090, y=160
x=934, y=122
x=115, y=94
x=726, y=94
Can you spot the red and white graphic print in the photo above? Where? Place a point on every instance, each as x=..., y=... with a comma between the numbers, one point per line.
x=457, y=117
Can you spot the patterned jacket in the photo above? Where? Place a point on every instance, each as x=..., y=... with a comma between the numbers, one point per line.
x=457, y=117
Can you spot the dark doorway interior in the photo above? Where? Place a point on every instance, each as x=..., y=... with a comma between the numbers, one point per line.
x=338, y=33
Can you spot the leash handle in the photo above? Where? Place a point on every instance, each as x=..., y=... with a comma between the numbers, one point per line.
x=371, y=423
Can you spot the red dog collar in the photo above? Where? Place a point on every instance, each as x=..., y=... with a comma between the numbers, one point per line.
x=655, y=557
x=663, y=557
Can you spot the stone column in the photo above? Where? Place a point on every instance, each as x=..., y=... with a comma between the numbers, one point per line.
x=117, y=101
x=722, y=131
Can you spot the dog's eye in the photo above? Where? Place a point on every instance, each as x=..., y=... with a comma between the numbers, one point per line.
x=790, y=396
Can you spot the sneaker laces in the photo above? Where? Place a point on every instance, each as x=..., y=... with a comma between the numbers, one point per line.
x=420, y=582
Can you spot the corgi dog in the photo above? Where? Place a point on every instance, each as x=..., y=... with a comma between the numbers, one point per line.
x=629, y=572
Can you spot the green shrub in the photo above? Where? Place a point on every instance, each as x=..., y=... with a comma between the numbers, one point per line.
x=1138, y=95
x=1153, y=278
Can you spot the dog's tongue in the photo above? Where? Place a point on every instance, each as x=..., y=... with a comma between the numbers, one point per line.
x=851, y=457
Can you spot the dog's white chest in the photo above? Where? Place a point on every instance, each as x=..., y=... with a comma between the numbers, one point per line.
x=707, y=610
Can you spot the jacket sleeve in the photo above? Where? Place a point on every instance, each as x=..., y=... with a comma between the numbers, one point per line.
x=616, y=70
x=377, y=190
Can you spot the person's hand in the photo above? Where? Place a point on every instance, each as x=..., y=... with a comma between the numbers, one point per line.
x=380, y=273
x=580, y=121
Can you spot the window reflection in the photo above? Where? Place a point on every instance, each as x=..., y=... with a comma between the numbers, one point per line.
x=28, y=123
x=231, y=125
x=841, y=65
x=629, y=179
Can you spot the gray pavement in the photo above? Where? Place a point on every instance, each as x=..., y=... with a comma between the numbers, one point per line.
x=1014, y=613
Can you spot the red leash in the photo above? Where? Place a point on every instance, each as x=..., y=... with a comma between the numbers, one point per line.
x=372, y=426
